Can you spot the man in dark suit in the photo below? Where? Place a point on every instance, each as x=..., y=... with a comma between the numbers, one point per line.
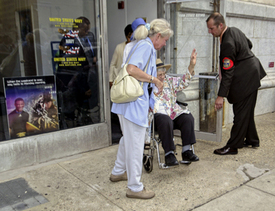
x=241, y=73
x=18, y=119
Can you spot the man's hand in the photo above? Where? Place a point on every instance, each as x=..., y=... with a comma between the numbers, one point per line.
x=88, y=93
x=218, y=103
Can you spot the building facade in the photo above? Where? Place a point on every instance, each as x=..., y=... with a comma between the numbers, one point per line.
x=255, y=18
x=54, y=67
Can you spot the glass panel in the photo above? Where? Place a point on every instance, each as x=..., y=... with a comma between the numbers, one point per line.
x=59, y=39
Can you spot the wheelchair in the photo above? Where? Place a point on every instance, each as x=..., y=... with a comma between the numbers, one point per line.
x=153, y=147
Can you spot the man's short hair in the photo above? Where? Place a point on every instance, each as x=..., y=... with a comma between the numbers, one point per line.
x=80, y=24
x=47, y=97
x=18, y=99
x=217, y=17
x=128, y=30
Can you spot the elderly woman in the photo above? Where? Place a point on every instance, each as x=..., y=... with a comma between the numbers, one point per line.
x=133, y=115
x=139, y=32
x=168, y=115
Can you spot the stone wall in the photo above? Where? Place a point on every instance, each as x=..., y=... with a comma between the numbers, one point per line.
x=256, y=20
x=265, y=2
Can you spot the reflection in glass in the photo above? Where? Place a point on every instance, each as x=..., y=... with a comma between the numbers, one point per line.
x=77, y=77
x=57, y=38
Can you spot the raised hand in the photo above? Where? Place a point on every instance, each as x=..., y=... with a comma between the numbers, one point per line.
x=193, y=60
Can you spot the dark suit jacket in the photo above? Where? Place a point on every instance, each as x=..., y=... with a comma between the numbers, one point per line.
x=17, y=123
x=241, y=70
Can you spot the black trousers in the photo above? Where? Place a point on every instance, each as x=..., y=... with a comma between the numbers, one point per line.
x=164, y=125
x=244, y=128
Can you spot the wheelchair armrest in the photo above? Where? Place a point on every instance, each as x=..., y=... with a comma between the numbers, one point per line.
x=180, y=103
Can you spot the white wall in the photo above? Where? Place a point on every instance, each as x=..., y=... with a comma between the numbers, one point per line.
x=267, y=2
x=118, y=19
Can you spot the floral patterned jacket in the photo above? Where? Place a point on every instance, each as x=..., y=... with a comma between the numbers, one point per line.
x=168, y=97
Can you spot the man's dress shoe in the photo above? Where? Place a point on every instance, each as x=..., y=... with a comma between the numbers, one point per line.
x=247, y=144
x=226, y=151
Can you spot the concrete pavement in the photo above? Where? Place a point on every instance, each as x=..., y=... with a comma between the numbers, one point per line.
x=245, y=181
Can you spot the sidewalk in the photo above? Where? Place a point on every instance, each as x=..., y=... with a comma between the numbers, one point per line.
x=245, y=181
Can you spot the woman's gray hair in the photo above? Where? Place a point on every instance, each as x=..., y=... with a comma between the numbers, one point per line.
x=161, y=26
x=163, y=69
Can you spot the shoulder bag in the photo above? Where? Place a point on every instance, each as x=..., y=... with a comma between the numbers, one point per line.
x=126, y=88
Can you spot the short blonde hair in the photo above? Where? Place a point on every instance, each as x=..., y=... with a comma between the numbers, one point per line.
x=161, y=26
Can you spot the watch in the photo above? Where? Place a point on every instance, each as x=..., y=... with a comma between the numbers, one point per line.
x=151, y=80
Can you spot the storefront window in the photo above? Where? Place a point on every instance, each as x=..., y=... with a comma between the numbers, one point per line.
x=50, y=66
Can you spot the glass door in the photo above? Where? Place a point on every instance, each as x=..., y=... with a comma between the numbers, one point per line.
x=48, y=38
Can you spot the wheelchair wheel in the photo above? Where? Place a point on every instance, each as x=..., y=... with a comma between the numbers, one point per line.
x=148, y=163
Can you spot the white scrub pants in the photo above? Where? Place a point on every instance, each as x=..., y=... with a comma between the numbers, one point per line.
x=130, y=153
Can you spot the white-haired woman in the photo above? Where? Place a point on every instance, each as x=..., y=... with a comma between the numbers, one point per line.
x=133, y=115
x=169, y=115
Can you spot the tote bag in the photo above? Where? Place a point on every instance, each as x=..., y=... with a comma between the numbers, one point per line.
x=126, y=88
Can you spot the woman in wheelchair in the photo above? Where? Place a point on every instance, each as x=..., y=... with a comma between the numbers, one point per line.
x=168, y=115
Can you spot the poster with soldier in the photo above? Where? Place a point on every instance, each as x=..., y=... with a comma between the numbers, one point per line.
x=31, y=104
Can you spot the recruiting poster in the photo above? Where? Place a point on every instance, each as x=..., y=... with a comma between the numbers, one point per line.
x=31, y=105
x=77, y=48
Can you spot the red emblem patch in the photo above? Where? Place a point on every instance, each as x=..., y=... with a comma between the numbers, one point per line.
x=227, y=63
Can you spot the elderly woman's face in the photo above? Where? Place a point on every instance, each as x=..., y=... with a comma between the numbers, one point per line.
x=160, y=41
x=161, y=74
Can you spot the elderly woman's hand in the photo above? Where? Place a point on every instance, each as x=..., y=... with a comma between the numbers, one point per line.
x=193, y=60
x=193, y=57
x=159, y=85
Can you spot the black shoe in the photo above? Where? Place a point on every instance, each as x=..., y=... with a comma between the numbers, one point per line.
x=171, y=160
x=189, y=156
x=247, y=144
x=226, y=151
